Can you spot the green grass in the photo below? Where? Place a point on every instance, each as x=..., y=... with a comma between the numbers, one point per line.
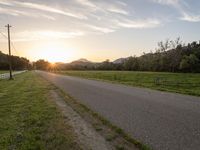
x=29, y=120
x=185, y=83
x=3, y=71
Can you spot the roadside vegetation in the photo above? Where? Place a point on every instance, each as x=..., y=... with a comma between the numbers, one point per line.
x=3, y=71
x=29, y=120
x=18, y=63
x=185, y=83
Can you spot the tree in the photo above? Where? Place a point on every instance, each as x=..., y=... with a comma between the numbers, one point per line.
x=42, y=65
x=189, y=63
x=131, y=63
x=18, y=63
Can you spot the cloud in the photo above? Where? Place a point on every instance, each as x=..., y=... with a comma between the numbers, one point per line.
x=3, y=2
x=121, y=3
x=146, y=23
x=181, y=7
x=14, y=12
x=105, y=6
x=167, y=2
x=10, y=12
x=90, y=17
x=115, y=9
x=50, y=9
x=42, y=7
x=45, y=35
x=87, y=3
x=190, y=17
x=101, y=29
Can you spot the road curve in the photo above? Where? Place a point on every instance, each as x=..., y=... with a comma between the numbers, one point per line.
x=164, y=121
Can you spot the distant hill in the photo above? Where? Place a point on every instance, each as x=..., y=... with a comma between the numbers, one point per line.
x=83, y=60
x=119, y=61
x=80, y=62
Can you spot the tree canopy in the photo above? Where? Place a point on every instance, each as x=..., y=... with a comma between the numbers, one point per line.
x=18, y=63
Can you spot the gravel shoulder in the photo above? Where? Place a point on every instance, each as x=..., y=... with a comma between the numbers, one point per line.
x=86, y=134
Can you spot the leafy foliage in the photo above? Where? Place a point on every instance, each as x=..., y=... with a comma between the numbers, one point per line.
x=18, y=63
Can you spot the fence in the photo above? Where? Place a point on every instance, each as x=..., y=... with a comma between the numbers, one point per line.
x=4, y=76
x=7, y=75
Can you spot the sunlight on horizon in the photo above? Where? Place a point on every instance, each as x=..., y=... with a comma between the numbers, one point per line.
x=53, y=52
x=95, y=30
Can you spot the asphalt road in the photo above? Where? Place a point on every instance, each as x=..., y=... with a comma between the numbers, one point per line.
x=165, y=121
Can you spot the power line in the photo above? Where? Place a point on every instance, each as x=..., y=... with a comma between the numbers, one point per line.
x=3, y=35
x=14, y=48
x=11, y=43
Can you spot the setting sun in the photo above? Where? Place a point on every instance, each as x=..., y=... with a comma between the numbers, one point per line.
x=53, y=52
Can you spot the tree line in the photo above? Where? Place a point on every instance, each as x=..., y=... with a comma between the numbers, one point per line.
x=170, y=56
x=18, y=63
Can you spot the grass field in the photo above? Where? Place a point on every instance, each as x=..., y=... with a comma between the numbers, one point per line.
x=3, y=71
x=29, y=120
x=185, y=83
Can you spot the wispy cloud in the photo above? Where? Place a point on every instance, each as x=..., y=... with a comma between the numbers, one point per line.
x=181, y=6
x=89, y=16
x=14, y=12
x=121, y=3
x=100, y=29
x=3, y=2
x=146, y=23
x=43, y=7
x=45, y=35
x=115, y=9
x=50, y=9
x=87, y=3
x=190, y=17
x=167, y=2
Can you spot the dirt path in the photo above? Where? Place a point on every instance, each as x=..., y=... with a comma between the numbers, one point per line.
x=86, y=134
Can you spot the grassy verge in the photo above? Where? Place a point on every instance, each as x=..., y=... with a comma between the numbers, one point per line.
x=184, y=83
x=28, y=119
x=3, y=71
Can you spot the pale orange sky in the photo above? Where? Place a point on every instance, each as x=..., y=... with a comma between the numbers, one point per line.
x=66, y=30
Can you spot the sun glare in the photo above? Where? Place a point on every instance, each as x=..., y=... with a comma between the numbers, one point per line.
x=54, y=52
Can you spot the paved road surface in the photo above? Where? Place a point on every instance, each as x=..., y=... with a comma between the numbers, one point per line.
x=165, y=121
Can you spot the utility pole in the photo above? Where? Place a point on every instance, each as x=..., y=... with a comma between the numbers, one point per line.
x=9, y=48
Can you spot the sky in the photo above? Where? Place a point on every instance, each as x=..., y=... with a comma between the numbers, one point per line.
x=66, y=30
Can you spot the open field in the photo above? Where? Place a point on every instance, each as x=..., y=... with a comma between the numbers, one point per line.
x=185, y=83
x=28, y=119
